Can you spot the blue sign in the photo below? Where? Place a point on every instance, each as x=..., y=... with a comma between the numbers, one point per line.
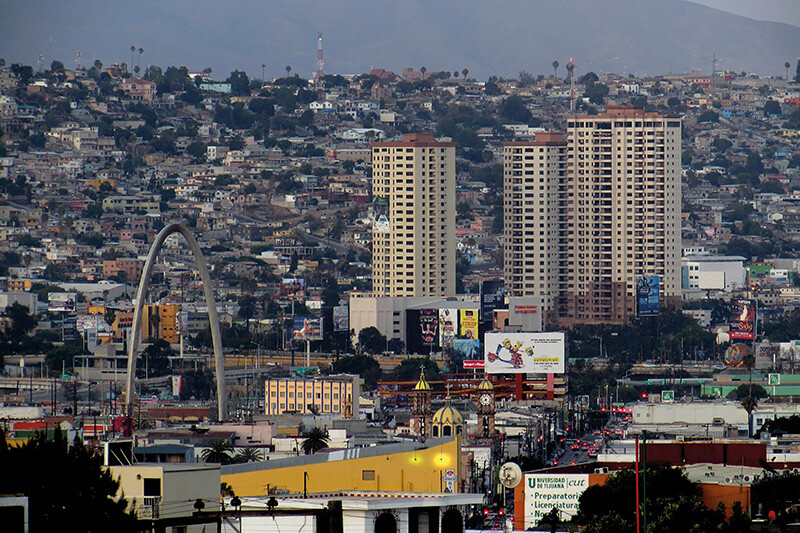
x=647, y=300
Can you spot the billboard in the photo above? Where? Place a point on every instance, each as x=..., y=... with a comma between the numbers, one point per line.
x=525, y=313
x=493, y=294
x=743, y=319
x=448, y=325
x=735, y=355
x=429, y=324
x=307, y=328
x=468, y=349
x=468, y=323
x=341, y=318
x=61, y=301
x=647, y=296
x=380, y=214
x=545, y=491
x=517, y=353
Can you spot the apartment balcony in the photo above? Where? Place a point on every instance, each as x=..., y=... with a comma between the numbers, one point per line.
x=150, y=508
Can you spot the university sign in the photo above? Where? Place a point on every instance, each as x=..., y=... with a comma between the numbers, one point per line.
x=543, y=492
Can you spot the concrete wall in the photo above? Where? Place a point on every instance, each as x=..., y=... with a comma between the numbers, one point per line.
x=690, y=413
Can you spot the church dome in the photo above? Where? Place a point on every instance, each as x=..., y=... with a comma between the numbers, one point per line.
x=485, y=385
x=447, y=421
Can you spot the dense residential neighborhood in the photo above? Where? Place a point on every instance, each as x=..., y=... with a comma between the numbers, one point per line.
x=324, y=360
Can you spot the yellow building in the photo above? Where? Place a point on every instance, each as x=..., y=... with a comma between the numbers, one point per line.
x=432, y=466
x=336, y=395
x=161, y=322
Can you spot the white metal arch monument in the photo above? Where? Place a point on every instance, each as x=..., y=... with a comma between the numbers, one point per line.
x=144, y=282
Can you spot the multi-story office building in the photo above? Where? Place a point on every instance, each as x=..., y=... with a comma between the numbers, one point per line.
x=413, y=187
x=332, y=395
x=593, y=219
x=533, y=172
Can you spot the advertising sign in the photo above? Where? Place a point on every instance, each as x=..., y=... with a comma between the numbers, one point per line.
x=61, y=301
x=667, y=396
x=341, y=318
x=647, y=296
x=468, y=323
x=448, y=323
x=473, y=363
x=429, y=324
x=735, y=355
x=468, y=348
x=516, y=353
x=380, y=214
x=766, y=355
x=743, y=319
x=525, y=313
x=493, y=294
x=545, y=491
x=307, y=328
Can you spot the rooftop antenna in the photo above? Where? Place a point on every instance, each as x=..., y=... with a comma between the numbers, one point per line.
x=320, y=72
x=571, y=71
x=40, y=62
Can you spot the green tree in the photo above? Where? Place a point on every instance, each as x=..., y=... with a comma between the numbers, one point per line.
x=240, y=83
x=372, y=340
x=314, y=440
x=40, y=468
x=772, y=108
x=363, y=365
x=218, y=451
x=513, y=109
x=409, y=369
x=673, y=503
x=708, y=116
x=248, y=454
x=155, y=359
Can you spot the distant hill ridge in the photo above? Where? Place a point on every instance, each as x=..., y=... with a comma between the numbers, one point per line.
x=486, y=36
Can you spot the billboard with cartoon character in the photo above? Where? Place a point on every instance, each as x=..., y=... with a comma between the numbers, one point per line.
x=517, y=353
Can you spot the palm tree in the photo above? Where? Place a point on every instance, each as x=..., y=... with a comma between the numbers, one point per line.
x=248, y=454
x=288, y=70
x=465, y=72
x=786, y=66
x=133, y=49
x=314, y=440
x=455, y=74
x=555, y=69
x=217, y=452
x=423, y=70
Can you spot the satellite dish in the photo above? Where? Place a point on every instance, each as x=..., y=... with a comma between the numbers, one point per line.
x=510, y=475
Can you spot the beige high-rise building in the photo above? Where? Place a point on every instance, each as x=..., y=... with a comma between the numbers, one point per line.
x=533, y=172
x=413, y=240
x=611, y=217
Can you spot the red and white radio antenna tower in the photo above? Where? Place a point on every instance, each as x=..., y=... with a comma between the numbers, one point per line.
x=320, y=72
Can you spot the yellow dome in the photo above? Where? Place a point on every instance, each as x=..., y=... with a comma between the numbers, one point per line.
x=422, y=384
x=447, y=416
x=485, y=385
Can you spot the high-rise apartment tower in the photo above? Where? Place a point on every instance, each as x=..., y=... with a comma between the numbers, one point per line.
x=413, y=188
x=595, y=213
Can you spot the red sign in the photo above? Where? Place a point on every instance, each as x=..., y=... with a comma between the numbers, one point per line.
x=526, y=309
x=476, y=363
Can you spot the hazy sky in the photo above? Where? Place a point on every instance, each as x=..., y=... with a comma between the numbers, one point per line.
x=787, y=11
x=487, y=36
